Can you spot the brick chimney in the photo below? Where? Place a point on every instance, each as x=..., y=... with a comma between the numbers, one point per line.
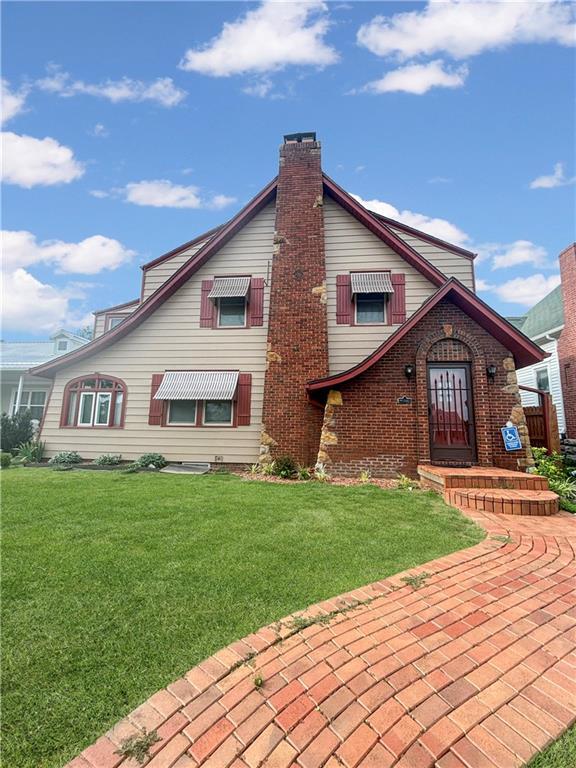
x=297, y=330
x=567, y=340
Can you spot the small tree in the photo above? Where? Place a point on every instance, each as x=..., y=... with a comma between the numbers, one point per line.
x=15, y=430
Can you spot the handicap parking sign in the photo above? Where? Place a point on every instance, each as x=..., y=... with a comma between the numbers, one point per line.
x=511, y=438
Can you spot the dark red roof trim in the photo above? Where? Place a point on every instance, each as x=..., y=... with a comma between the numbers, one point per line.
x=525, y=351
x=425, y=236
x=382, y=231
x=116, y=307
x=181, y=248
x=162, y=293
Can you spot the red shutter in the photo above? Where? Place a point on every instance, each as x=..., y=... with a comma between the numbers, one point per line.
x=398, y=302
x=156, y=406
x=257, y=301
x=207, y=306
x=343, y=300
x=244, y=399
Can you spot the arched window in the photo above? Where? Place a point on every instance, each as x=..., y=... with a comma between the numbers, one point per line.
x=95, y=401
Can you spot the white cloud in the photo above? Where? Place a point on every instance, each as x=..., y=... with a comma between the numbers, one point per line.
x=30, y=305
x=527, y=290
x=555, y=179
x=30, y=162
x=261, y=88
x=461, y=28
x=162, y=91
x=504, y=255
x=441, y=228
x=419, y=78
x=88, y=257
x=13, y=102
x=161, y=193
x=483, y=285
x=100, y=131
x=268, y=38
x=439, y=180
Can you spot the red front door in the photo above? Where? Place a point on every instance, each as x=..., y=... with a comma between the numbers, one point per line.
x=451, y=413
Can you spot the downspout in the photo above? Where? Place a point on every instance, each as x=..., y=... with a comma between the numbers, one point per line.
x=19, y=394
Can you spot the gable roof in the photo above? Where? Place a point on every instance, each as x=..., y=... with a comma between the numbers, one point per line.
x=220, y=237
x=21, y=355
x=181, y=248
x=525, y=351
x=545, y=316
x=425, y=236
x=116, y=307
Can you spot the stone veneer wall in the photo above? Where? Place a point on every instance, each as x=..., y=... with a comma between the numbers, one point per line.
x=366, y=429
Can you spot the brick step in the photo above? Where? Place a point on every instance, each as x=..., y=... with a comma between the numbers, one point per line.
x=444, y=478
x=504, y=501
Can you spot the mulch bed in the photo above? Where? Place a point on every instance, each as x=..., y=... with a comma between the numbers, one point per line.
x=349, y=481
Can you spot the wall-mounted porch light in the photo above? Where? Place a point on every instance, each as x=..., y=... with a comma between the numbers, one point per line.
x=491, y=372
x=409, y=369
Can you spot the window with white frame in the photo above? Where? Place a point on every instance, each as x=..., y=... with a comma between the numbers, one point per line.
x=542, y=379
x=370, y=308
x=94, y=401
x=32, y=400
x=232, y=312
x=182, y=412
x=114, y=320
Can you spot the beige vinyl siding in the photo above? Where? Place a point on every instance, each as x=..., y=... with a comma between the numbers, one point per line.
x=99, y=325
x=101, y=321
x=350, y=246
x=448, y=262
x=171, y=338
x=154, y=277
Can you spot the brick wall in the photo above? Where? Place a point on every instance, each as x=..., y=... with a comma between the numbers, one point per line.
x=297, y=330
x=567, y=341
x=371, y=430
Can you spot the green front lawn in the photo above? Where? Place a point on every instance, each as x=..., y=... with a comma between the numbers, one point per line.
x=114, y=585
x=560, y=754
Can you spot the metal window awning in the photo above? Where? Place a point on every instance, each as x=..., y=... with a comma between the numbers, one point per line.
x=371, y=282
x=229, y=287
x=197, y=385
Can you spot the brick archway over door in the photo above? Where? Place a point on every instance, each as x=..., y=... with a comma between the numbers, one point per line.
x=453, y=345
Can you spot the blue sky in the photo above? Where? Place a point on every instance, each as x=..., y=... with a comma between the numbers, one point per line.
x=132, y=127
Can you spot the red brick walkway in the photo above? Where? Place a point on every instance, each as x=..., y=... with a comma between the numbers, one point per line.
x=475, y=668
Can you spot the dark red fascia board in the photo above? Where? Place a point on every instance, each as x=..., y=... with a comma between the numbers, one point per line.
x=425, y=236
x=116, y=307
x=180, y=248
x=382, y=231
x=525, y=351
x=166, y=290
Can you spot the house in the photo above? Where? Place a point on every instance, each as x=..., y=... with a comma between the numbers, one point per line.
x=305, y=325
x=551, y=326
x=18, y=389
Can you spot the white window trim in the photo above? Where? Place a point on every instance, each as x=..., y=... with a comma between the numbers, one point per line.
x=82, y=396
x=243, y=325
x=181, y=423
x=102, y=396
x=385, y=311
x=541, y=368
x=217, y=423
x=29, y=392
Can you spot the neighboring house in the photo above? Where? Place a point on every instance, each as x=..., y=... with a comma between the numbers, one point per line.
x=306, y=325
x=551, y=323
x=20, y=390
x=543, y=324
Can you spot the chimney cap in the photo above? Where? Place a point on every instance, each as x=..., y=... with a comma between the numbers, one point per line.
x=298, y=138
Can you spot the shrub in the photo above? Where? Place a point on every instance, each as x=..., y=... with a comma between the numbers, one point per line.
x=559, y=475
x=108, y=459
x=365, y=476
x=66, y=458
x=15, y=430
x=5, y=460
x=285, y=466
x=152, y=460
x=32, y=451
x=269, y=468
x=321, y=475
x=303, y=473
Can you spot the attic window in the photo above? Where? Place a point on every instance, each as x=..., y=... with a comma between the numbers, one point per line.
x=62, y=346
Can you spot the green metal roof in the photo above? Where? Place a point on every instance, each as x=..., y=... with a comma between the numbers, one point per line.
x=543, y=317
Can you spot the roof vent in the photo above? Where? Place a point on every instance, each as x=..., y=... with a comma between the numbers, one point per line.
x=298, y=138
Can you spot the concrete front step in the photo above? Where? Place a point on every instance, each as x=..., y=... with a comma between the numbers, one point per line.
x=442, y=479
x=504, y=501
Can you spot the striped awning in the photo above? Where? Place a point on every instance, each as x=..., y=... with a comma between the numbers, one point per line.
x=229, y=287
x=371, y=282
x=198, y=385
